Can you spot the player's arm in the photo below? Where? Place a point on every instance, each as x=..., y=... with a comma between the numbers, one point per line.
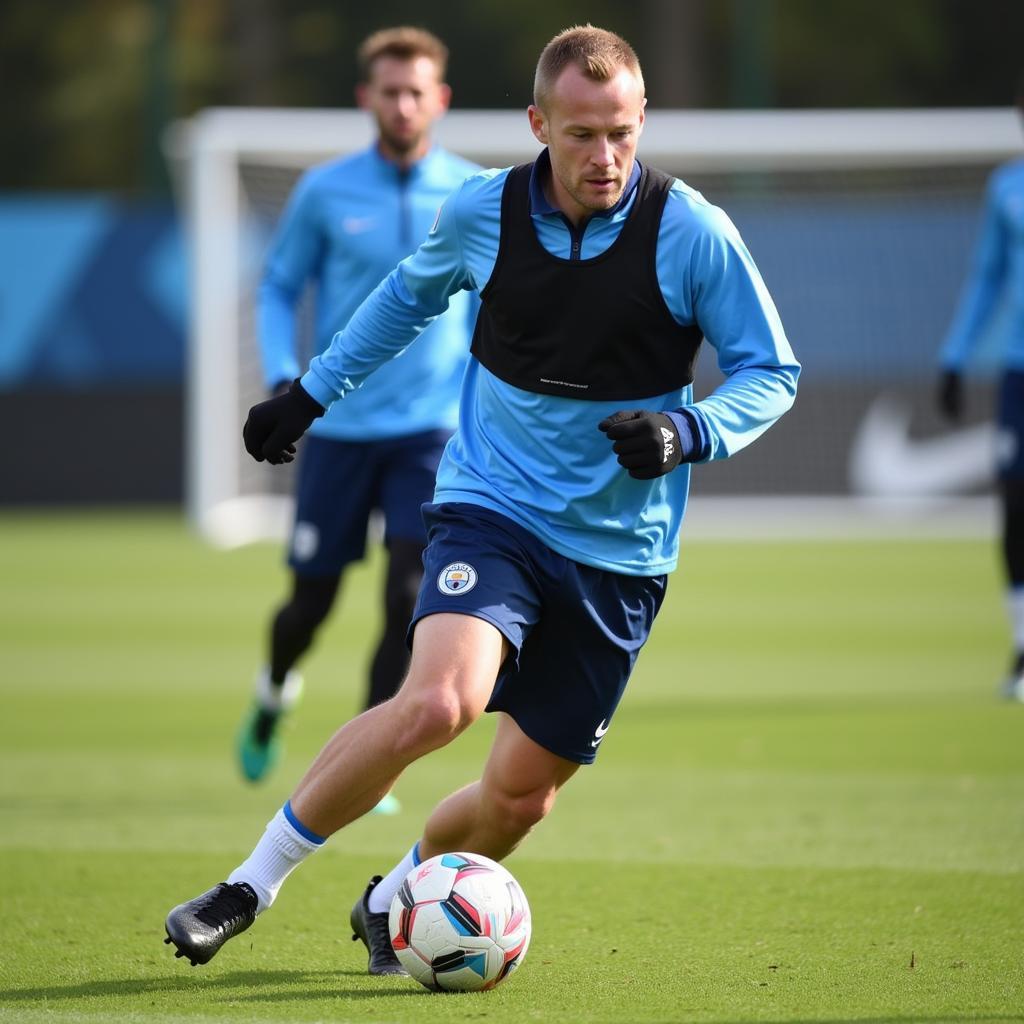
x=295, y=255
x=412, y=296
x=388, y=320
x=977, y=303
x=738, y=317
x=713, y=281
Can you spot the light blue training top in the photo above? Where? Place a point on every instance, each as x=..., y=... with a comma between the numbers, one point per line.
x=997, y=273
x=538, y=459
x=347, y=224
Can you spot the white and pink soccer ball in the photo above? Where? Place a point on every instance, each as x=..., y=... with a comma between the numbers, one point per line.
x=460, y=923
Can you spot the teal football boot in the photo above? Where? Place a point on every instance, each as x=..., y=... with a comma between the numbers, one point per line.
x=259, y=742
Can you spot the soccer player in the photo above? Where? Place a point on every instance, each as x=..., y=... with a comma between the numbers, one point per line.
x=998, y=272
x=559, y=499
x=348, y=223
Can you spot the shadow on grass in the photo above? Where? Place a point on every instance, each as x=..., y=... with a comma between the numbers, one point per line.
x=260, y=987
x=253, y=986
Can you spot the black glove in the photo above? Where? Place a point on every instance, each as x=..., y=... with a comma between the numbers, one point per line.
x=279, y=388
x=951, y=394
x=647, y=443
x=275, y=425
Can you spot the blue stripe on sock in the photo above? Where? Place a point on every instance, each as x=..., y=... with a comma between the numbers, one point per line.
x=416, y=854
x=306, y=833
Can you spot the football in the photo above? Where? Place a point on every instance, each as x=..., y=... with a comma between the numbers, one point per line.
x=460, y=923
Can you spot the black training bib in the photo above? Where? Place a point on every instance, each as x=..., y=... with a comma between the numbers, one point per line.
x=595, y=329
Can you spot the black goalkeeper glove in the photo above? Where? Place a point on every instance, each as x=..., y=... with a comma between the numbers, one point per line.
x=647, y=443
x=950, y=394
x=275, y=425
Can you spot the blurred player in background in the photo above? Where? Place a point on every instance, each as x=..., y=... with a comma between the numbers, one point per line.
x=560, y=497
x=998, y=275
x=347, y=224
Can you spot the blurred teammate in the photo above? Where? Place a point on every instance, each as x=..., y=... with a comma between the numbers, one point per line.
x=347, y=224
x=998, y=274
x=559, y=499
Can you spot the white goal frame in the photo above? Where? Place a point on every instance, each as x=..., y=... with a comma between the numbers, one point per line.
x=210, y=147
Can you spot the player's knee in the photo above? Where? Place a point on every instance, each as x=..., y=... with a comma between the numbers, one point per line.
x=430, y=719
x=517, y=813
x=302, y=617
x=311, y=601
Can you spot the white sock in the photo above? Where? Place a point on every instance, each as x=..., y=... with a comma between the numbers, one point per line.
x=384, y=891
x=1015, y=606
x=284, y=845
x=278, y=698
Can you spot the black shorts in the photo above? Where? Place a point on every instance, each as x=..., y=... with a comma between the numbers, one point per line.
x=576, y=630
x=341, y=482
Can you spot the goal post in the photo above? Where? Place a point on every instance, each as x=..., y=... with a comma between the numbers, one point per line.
x=854, y=217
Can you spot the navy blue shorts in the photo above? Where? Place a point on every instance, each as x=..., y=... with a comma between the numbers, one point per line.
x=341, y=482
x=1010, y=427
x=576, y=631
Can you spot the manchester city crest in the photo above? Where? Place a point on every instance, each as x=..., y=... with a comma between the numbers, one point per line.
x=457, y=578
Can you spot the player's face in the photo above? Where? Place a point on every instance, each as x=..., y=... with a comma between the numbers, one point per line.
x=405, y=98
x=591, y=130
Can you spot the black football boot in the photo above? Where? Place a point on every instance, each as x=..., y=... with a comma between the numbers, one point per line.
x=200, y=927
x=373, y=930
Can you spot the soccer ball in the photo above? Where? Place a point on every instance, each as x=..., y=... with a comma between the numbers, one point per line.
x=459, y=923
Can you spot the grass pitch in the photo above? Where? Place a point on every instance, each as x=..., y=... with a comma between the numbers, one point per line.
x=810, y=806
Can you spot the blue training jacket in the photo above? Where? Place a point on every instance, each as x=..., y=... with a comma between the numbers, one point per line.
x=348, y=224
x=997, y=273
x=538, y=459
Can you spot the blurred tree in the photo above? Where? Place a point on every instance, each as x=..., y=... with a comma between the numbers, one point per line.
x=863, y=53
x=74, y=82
x=88, y=86
x=752, y=77
x=158, y=96
x=258, y=51
x=672, y=45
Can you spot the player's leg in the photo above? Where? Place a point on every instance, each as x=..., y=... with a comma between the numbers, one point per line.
x=1013, y=557
x=493, y=815
x=295, y=622
x=480, y=565
x=407, y=469
x=279, y=685
x=401, y=585
x=1011, y=483
x=467, y=620
x=454, y=663
x=333, y=498
x=559, y=695
x=391, y=658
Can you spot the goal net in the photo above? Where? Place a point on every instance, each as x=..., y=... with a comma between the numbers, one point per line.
x=862, y=224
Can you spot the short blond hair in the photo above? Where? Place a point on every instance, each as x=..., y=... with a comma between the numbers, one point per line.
x=404, y=43
x=598, y=53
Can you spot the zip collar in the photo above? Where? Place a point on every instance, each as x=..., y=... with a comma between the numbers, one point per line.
x=539, y=205
x=414, y=170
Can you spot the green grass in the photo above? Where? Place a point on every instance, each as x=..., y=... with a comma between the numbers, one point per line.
x=810, y=807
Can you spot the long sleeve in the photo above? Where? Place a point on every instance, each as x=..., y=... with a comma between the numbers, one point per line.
x=395, y=312
x=983, y=287
x=294, y=257
x=738, y=317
